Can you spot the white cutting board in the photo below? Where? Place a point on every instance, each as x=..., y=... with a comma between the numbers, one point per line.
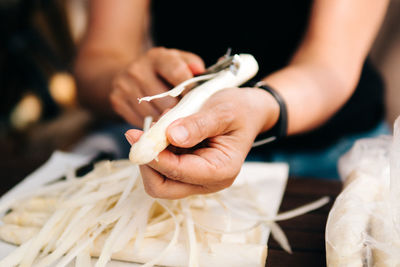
x=269, y=180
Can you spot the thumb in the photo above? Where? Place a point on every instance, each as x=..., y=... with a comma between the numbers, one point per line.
x=190, y=131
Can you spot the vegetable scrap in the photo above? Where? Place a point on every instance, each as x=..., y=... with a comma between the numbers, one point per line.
x=107, y=214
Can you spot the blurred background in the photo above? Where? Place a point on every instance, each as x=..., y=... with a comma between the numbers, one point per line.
x=39, y=112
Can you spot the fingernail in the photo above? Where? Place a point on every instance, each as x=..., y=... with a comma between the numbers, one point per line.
x=196, y=68
x=179, y=134
x=130, y=140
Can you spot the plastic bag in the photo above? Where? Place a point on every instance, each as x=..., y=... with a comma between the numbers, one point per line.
x=363, y=227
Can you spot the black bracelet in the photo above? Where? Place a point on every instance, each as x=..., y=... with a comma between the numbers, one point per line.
x=279, y=130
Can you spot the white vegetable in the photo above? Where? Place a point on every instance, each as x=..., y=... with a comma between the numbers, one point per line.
x=217, y=254
x=179, y=89
x=362, y=229
x=26, y=218
x=129, y=225
x=108, y=213
x=83, y=259
x=348, y=221
x=17, y=234
x=193, y=250
x=152, y=142
x=39, y=204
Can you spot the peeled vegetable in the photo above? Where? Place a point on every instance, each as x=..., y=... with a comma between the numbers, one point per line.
x=152, y=142
x=108, y=214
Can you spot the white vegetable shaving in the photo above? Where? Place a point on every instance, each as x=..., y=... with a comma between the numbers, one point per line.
x=174, y=238
x=152, y=142
x=129, y=225
x=193, y=250
x=180, y=88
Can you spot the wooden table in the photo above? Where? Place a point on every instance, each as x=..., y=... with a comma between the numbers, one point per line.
x=306, y=233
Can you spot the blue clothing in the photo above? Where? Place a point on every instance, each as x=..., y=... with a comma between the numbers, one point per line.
x=317, y=163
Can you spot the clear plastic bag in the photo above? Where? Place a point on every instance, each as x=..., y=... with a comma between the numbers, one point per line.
x=363, y=227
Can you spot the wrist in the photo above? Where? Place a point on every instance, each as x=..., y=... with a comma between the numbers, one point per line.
x=267, y=109
x=276, y=125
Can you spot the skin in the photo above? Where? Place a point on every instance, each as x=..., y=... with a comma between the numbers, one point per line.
x=141, y=78
x=229, y=132
x=320, y=78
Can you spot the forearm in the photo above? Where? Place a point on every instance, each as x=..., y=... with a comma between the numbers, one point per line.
x=325, y=70
x=117, y=34
x=313, y=93
x=94, y=73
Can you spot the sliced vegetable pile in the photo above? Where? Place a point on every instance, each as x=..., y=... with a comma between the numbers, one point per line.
x=241, y=69
x=107, y=214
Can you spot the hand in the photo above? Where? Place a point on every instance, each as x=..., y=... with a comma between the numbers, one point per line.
x=226, y=127
x=155, y=72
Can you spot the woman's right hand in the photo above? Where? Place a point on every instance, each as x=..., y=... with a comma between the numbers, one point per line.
x=157, y=71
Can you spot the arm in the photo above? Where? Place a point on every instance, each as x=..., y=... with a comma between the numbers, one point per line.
x=116, y=66
x=326, y=68
x=116, y=35
x=319, y=79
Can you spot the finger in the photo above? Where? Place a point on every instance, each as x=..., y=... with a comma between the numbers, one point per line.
x=200, y=168
x=144, y=108
x=165, y=111
x=122, y=108
x=129, y=91
x=158, y=186
x=152, y=85
x=164, y=103
x=172, y=68
x=209, y=122
x=133, y=135
x=195, y=63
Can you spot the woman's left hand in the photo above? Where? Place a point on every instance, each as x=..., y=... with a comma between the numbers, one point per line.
x=217, y=139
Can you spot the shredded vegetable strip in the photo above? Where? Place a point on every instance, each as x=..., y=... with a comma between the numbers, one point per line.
x=41, y=238
x=193, y=250
x=110, y=203
x=280, y=217
x=55, y=234
x=279, y=236
x=302, y=210
x=180, y=88
x=75, y=221
x=65, y=246
x=105, y=255
x=128, y=189
x=83, y=259
x=80, y=251
x=174, y=238
x=142, y=223
x=227, y=232
x=147, y=123
x=15, y=257
x=15, y=201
